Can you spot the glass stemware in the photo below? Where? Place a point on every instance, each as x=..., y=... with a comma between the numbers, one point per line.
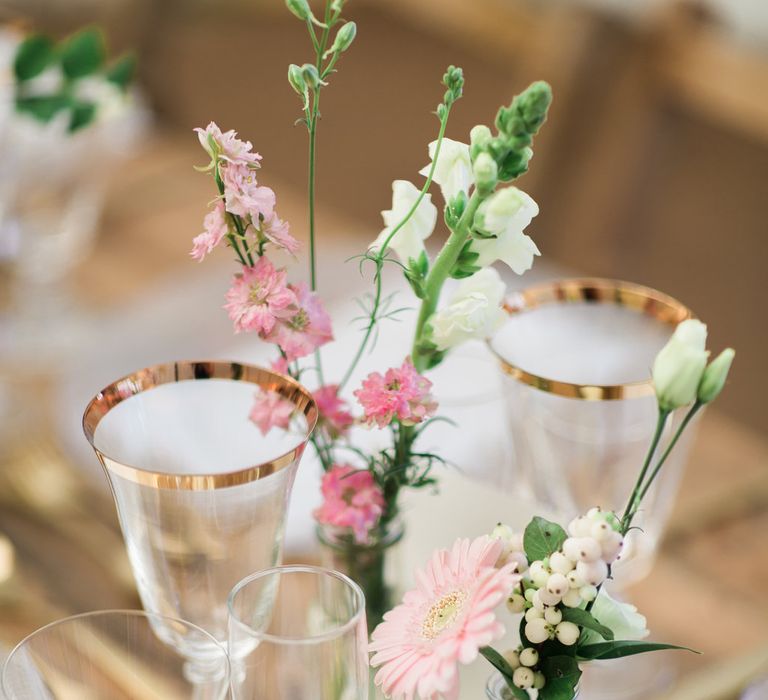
x=112, y=655
x=201, y=493
x=298, y=632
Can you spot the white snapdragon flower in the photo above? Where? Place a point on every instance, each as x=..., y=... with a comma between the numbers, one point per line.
x=408, y=242
x=453, y=171
x=506, y=214
x=474, y=311
x=680, y=364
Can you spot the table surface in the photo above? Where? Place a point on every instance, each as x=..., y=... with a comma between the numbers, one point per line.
x=70, y=556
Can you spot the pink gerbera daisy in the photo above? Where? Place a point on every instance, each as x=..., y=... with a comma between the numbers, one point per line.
x=259, y=297
x=215, y=224
x=334, y=414
x=230, y=147
x=306, y=329
x=445, y=621
x=351, y=499
x=401, y=393
x=271, y=410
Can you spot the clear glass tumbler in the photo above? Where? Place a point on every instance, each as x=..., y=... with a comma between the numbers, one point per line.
x=298, y=632
x=576, y=357
x=201, y=494
x=112, y=655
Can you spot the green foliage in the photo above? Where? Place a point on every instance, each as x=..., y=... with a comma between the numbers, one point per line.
x=83, y=53
x=562, y=674
x=623, y=647
x=416, y=273
x=121, y=72
x=586, y=619
x=501, y=665
x=43, y=107
x=542, y=538
x=465, y=265
x=33, y=56
x=83, y=113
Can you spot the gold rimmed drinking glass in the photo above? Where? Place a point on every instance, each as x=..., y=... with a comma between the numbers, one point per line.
x=201, y=493
x=113, y=655
x=576, y=357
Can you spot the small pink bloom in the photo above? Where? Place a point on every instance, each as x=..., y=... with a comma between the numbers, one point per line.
x=229, y=146
x=271, y=411
x=443, y=622
x=243, y=195
x=307, y=329
x=215, y=224
x=401, y=393
x=279, y=365
x=259, y=298
x=334, y=414
x=276, y=231
x=352, y=499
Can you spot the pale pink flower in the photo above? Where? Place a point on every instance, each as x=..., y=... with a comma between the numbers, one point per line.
x=271, y=411
x=306, y=329
x=443, y=622
x=230, y=148
x=351, y=499
x=243, y=194
x=335, y=417
x=276, y=231
x=259, y=298
x=215, y=224
x=401, y=393
x=280, y=365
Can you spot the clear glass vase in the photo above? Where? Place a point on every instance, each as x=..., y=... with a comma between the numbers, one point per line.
x=374, y=566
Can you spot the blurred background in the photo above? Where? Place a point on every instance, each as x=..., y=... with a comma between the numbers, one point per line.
x=653, y=168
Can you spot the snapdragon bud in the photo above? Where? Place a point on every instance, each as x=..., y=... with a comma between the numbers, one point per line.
x=344, y=38
x=679, y=366
x=713, y=379
x=300, y=8
x=486, y=173
x=479, y=138
x=454, y=81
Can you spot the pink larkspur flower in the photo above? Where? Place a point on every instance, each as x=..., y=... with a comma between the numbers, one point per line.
x=401, y=393
x=259, y=298
x=306, y=329
x=276, y=231
x=243, y=194
x=230, y=147
x=443, y=622
x=351, y=499
x=271, y=410
x=335, y=417
x=280, y=365
x=215, y=225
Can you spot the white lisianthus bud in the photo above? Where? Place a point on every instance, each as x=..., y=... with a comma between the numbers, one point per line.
x=529, y=657
x=623, y=619
x=474, y=311
x=523, y=677
x=713, y=379
x=679, y=366
x=486, y=173
x=408, y=242
x=505, y=214
x=567, y=633
x=453, y=171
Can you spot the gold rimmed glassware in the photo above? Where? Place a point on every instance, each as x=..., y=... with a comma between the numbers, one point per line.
x=201, y=493
x=576, y=358
x=113, y=655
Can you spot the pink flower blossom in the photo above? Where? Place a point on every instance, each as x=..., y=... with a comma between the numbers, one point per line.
x=271, y=411
x=276, y=231
x=401, y=393
x=259, y=298
x=306, y=329
x=280, y=365
x=243, y=195
x=443, y=622
x=335, y=417
x=352, y=499
x=215, y=224
x=230, y=148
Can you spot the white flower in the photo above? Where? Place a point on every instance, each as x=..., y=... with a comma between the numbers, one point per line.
x=680, y=364
x=622, y=618
x=408, y=242
x=505, y=214
x=474, y=311
x=454, y=168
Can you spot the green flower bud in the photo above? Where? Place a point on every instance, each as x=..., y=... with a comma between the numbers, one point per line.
x=486, y=173
x=713, y=380
x=479, y=138
x=454, y=81
x=534, y=103
x=679, y=366
x=300, y=8
x=296, y=80
x=344, y=38
x=336, y=6
x=311, y=76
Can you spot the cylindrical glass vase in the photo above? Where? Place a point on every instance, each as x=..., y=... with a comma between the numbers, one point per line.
x=373, y=565
x=201, y=494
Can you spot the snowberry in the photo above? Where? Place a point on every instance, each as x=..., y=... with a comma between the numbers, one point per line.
x=549, y=598
x=523, y=678
x=572, y=599
x=553, y=616
x=580, y=527
x=560, y=564
x=512, y=657
x=530, y=592
x=515, y=603
x=529, y=657
x=588, y=549
x=588, y=593
x=538, y=631
x=567, y=633
x=539, y=680
x=533, y=614
x=503, y=532
x=593, y=573
x=601, y=530
x=571, y=548
x=574, y=580
x=595, y=513
x=538, y=603
x=611, y=546
x=538, y=573
x=519, y=559
x=557, y=585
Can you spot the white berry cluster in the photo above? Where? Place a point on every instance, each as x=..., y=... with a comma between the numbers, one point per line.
x=524, y=662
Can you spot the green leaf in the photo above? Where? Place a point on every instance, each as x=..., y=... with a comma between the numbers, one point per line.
x=542, y=538
x=121, y=72
x=562, y=674
x=83, y=113
x=621, y=648
x=501, y=665
x=586, y=619
x=33, y=56
x=43, y=107
x=83, y=53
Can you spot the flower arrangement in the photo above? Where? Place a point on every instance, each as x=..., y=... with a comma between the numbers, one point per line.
x=485, y=217
x=551, y=576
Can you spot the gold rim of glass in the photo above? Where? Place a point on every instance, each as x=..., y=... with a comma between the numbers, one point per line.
x=636, y=297
x=172, y=372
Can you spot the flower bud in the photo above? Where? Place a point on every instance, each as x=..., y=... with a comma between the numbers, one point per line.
x=344, y=38
x=480, y=136
x=486, y=173
x=679, y=366
x=300, y=8
x=713, y=379
x=296, y=79
x=311, y=76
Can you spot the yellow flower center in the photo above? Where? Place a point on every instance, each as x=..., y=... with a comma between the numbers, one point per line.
x=443, y=614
